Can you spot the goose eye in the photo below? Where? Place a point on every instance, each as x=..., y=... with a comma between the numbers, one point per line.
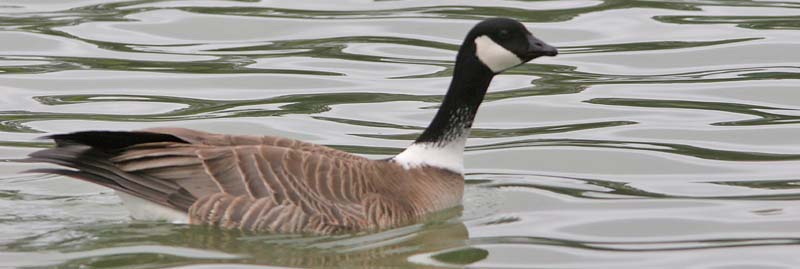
x=503, y=34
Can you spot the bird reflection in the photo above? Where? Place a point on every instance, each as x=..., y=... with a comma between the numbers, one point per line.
x=442, y=237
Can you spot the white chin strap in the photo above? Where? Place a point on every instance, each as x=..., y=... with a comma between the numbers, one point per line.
x=494, y=56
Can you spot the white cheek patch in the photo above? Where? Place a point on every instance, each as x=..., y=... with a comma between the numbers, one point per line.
x=494, y=56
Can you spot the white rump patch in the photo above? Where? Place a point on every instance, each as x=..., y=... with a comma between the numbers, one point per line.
x=141, y=209
x=449, y=156
x=494, y=56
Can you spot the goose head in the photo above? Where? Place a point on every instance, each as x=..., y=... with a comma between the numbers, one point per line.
x=502, y=43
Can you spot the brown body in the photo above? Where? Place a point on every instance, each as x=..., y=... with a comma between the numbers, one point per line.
x=264, y=183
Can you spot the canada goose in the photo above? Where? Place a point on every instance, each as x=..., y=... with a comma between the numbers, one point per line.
x=275, y=184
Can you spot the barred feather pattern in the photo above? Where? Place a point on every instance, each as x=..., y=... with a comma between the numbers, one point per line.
x=264, y=183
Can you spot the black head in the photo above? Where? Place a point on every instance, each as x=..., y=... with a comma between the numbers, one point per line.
x=502, y=43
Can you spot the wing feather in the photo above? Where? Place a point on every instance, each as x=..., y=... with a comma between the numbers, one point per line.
x=253, y=177
x=220, y=165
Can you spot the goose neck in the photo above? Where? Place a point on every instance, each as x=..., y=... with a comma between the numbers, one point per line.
x=467, y=89
x=442, y=144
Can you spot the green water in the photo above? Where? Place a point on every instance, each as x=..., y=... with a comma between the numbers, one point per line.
x=665, y=134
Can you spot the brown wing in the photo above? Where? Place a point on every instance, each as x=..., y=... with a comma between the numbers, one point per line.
x=247, y=182
x=263, y=187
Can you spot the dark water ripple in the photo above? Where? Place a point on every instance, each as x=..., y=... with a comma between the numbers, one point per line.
x=752, y=22
x=763, y=117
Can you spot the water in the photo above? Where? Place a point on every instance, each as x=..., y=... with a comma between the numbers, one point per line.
x=664, y=135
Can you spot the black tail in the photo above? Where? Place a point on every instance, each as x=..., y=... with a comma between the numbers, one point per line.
x=112, y=139
x=90, y=153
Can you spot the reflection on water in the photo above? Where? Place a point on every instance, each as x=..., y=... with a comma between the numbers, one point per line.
x=158, y=245
x=663, y=136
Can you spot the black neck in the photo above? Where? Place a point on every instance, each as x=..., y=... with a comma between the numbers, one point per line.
x=471, y=78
